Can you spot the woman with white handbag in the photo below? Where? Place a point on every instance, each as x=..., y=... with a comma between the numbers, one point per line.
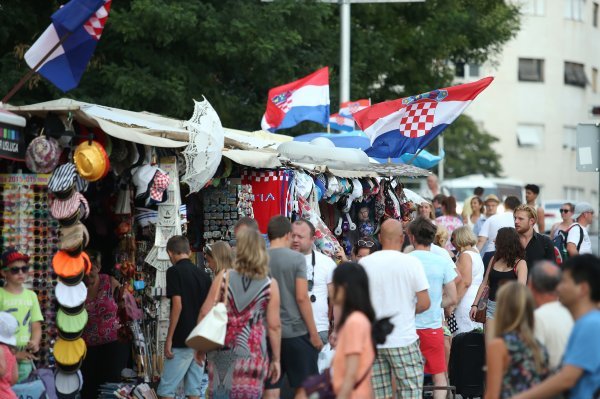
x=232, y=326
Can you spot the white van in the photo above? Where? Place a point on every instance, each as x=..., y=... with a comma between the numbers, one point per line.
x=462, y=188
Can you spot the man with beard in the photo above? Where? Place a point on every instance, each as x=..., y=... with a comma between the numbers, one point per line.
x=537, y=246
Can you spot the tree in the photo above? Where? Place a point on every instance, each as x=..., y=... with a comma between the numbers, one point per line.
x=469, y=150
x=157, y=55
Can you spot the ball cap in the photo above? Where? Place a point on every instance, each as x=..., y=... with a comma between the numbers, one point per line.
x=581, y=208
x=12, y=255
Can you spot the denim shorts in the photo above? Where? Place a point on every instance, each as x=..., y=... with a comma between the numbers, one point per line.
x=491, y=309
x=182, y=367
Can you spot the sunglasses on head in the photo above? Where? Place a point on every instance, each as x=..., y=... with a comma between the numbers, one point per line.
x=365, y=243
x=16, y=270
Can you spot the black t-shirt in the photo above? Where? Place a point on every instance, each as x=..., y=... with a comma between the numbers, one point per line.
x=540, y=247
x=192, y=284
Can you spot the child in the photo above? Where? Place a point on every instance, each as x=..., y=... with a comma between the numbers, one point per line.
x=23, y=305
x=8, y=362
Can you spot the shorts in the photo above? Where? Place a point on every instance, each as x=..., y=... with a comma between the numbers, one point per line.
x=491, y=309
x=432, y=348
x=298, y=361
x=405, y=366
x=182, y=367
x=24, y=368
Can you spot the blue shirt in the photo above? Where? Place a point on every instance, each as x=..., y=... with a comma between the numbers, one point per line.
x=583, y=351
x=439, y=271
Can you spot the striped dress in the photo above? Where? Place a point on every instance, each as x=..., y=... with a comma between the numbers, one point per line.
x=240, y=368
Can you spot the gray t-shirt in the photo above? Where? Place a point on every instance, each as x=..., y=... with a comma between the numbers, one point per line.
x=286, y=266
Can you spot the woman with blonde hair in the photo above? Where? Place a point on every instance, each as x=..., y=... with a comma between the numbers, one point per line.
x=219, y=256
x=471, y=269
x=240, y=368
x=515, y=359
x=441, y=239
x=426, y=210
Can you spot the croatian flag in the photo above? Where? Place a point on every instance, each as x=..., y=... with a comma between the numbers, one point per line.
x=341, y=122
x=351, y=107
x=409, y=124
x=306, y=99
x=79, y=24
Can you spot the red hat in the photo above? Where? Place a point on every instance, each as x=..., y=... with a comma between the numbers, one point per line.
x=12, y=255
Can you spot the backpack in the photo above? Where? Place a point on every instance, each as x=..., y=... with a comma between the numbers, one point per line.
x=560, y=243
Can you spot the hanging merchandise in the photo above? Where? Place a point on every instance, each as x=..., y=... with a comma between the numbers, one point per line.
x=91, y=160
x=42, y=154
x=270, y=190
x=69, y=354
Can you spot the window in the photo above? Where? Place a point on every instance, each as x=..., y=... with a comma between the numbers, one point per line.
x=574, y=74
x=574, y=9
x=531, y=70
x=459, y=69
x=595, y=15
x=594, y=80
x=473, y=70
x=573, y=193
x=530, y=135
x=570, y=137
x=533, y=7
x=463, y=70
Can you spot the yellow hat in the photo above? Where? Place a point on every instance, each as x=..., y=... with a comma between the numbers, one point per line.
x=91, y=160
x=69, y=354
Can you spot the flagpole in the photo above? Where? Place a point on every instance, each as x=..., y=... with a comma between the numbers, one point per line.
x=328, y=128
x=33, y=70
x=414, y=157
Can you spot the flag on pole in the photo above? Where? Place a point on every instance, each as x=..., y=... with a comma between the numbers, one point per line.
x=341, y=122
x=306, y=99
x=409, y=124
x=350, y=107
x=79, y=25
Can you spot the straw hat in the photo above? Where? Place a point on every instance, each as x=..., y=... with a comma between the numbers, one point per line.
x=73, y=238
x=91, y=161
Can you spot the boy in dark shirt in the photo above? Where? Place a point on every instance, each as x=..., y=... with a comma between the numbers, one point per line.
x=187, y=286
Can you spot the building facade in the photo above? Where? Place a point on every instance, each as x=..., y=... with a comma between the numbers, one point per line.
x=546, y=82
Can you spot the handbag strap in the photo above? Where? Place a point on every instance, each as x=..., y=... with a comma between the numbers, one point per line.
x=364, y=376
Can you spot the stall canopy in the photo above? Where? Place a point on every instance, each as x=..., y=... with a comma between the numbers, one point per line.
x=139, y=127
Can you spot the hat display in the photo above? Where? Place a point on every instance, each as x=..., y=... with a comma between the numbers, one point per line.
x=142, y=178
x=580, y=208
x=73, y=238
x=8, y=328
x=491, y=197
x=91, y=160
x=71, y=326
x=68, y=384
x=62, y=179
x=65, y=209
x=70, y=296
x=66, y=265
x=69, y=354
x=42, y=154
x=12, y=255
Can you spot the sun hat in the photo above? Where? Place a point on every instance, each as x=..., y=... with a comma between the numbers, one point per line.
x=91, y=160
x=42, y=154
x=65, y=209
x=70, y=296
x=68, y=266
x=73, y=238
x=8, y=328
x=142, y=178
x=69, y=354
x=71, y=326
x=491, y=197
x=12, y=255
x=580, y=208
x=68, y=385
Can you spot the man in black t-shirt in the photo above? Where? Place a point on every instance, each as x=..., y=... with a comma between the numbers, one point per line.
x=187, y=287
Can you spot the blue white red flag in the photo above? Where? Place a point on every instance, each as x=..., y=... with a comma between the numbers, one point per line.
x=351, y=107
x=409, y=124
x=306, y=99
x=82, y=22
x=341, y=122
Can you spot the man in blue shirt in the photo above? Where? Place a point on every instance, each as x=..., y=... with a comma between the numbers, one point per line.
x=442, y=291
x=579, y=291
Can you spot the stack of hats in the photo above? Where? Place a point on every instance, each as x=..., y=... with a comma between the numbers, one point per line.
x=71, y=264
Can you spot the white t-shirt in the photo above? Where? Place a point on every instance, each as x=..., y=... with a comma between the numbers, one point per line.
x=323, y=270
x=553, y=325
x=575, y=235
x=394, y=280
x=436, y=249
x=492, y=225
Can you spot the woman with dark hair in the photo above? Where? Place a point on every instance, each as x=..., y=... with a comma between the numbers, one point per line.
x=449, y=219
x=566, y=214
x=477, y=210
x=507, y=264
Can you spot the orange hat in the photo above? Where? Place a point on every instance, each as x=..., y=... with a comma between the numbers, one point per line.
x=67, y=266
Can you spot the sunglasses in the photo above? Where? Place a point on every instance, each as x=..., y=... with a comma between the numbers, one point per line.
x=365, y=243
x=565, y=210
x=16, y=270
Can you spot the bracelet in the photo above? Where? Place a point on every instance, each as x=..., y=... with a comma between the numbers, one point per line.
x=474, y=306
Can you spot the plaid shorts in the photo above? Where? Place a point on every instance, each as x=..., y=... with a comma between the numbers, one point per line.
x=405, y=365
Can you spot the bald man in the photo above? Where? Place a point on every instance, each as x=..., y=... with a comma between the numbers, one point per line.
x=398, y=287
x=553, y=322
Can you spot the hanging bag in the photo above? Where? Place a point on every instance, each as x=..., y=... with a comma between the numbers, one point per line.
x=209, y=334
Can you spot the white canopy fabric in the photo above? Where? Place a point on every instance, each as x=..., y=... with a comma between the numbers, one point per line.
x=139, y=127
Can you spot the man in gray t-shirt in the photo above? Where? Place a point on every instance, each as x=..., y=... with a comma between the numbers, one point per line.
x=300, y=341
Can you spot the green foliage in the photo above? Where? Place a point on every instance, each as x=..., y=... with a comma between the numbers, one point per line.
x=156, y=55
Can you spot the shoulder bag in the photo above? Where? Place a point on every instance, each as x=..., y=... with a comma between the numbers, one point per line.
x=209, y=334
x=320, y=386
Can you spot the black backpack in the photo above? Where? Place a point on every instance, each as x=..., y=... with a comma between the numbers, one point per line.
x=560, y=243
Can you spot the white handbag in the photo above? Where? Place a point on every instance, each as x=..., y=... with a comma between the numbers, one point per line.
x=209, y=334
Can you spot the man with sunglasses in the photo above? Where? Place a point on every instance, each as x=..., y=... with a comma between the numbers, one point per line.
x=319, y=271
x=578, y=239
x=24, y=306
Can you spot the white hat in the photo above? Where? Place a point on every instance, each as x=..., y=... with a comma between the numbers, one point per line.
x=142, y=177
x=582, y=207
x=8, y=327
x=68, y=383
x=70, y=296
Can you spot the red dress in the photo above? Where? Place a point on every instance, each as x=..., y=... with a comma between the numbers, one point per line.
x=103, y=323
